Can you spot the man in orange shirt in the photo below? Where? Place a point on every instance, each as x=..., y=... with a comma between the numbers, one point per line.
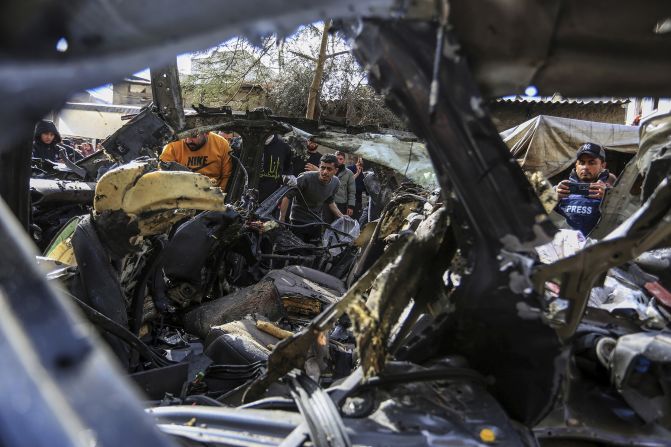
x=206, y=153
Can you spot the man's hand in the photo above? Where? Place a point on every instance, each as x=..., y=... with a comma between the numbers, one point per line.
x=289, y=180
x=311, y=167
x=562, y=189
x=597, y=190
x=350, y=211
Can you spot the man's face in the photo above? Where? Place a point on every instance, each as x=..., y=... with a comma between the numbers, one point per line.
x=47, y=137
x=195, y=143
x=312, y=146
x=326, y=171
x=341, y=160
x=588, y=168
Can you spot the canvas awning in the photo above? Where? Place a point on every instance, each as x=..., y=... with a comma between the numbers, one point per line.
x=548, y=144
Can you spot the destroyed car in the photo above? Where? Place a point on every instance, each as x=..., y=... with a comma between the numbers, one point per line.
x=461, y=335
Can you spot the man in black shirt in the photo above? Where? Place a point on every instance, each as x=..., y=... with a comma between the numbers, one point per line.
x=276, y=163
x=311, y=163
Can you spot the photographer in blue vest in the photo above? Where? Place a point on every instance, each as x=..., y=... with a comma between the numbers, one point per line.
x=580, y=196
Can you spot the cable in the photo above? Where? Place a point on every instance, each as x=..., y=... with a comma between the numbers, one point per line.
x=428, y=375
x=114, y=328
x=201, y=399
x=604, y=350
x=244, y=171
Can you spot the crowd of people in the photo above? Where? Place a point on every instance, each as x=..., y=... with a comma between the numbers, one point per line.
x=327, y=188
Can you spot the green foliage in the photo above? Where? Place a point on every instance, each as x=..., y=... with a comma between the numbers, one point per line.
x=232, y=74
x=284, y=70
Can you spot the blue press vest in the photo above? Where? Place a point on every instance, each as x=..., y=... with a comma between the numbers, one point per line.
x=581, y=213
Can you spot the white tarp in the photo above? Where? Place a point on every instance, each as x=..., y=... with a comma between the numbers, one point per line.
x=409, y=158
x=548, y=143
x=92, y=120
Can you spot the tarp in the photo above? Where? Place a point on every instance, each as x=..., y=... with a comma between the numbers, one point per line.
x=548, y=143
x=409, y=158
x=92, y=120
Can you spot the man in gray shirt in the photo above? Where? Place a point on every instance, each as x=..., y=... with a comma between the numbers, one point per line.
x=314, y=190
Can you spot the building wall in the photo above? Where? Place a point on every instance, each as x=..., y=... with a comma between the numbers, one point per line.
x=511, y=114
x=130, y=93
x=249, y=99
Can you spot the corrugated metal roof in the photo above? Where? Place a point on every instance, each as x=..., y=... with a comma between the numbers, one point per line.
x=560, y=100
x=137, y=80
x=114, y=108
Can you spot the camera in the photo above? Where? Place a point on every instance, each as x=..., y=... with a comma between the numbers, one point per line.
x=579, y=188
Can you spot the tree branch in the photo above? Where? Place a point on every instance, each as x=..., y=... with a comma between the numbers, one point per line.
x=303, y=55
x=336, y=54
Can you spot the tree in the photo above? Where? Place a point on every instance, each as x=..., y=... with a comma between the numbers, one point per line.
x=315, y=86
x=294, y=80
x=231, y=74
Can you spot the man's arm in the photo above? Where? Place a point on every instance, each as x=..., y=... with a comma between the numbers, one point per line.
x=351, y=195
x=284, y=205
x=562, y=189
x=287, y=167
x=226, y=165
x=168, y=153
x=597, y=190
x=334, y=209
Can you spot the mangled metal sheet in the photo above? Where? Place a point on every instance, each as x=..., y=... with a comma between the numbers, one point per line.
x=410, y=158
x=648, y=167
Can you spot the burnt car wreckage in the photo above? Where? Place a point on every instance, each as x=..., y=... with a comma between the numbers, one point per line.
x=462, y=337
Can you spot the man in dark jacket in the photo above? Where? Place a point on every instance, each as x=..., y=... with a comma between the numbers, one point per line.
x=581, y=195
x=357, y=170
x=45, y=141
x=345, y=197
x=311, y=163
x=276, y=164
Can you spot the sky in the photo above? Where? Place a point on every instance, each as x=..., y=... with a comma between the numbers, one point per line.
x=104, y=92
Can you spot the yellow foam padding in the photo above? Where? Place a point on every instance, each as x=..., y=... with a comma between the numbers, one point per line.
x=131, y=190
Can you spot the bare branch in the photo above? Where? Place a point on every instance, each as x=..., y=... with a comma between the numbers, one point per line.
x=242, y=78
x=303, y=55
x=336, y=54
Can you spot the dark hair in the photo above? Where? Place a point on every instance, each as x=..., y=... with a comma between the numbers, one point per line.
x=329, y=158
x=340, y=153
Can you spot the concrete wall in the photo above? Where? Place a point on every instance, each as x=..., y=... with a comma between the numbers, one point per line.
x=507, y=114
x=131, y=93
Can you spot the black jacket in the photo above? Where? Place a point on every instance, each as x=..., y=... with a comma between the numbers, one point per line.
x=46, y=151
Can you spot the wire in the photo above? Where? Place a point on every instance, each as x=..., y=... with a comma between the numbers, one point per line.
x=244, y=171
x=405, y=174
x=428, y=375
x=201, y=399
x=121, y=332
